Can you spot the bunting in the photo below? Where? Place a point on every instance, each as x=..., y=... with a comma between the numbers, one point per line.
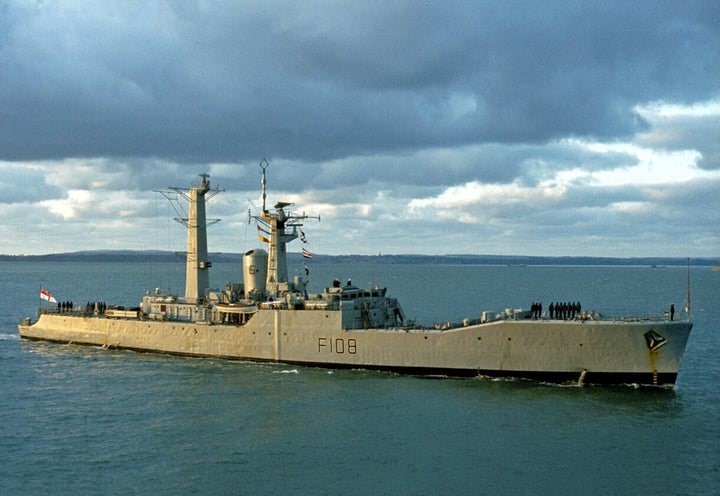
x=306, y=253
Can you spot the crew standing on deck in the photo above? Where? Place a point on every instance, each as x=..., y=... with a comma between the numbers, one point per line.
x=536, y=309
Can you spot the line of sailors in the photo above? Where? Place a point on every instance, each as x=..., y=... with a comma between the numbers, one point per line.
x=556, y=310
x=65, y=305
x=99, y=306
x=90, y=307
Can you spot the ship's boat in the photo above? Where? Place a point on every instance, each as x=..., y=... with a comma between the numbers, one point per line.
x=268, y=317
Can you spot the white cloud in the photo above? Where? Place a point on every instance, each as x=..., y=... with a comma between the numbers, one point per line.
x=77, y=201
x=657, y=110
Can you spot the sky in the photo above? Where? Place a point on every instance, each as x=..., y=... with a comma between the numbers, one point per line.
x=409, y=127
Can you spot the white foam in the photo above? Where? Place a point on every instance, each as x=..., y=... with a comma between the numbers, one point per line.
x=293, y=371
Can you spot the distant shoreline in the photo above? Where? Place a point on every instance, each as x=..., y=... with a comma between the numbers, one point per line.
x=509, y=260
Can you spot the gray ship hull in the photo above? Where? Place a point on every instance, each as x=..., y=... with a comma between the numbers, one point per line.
x=615, y=352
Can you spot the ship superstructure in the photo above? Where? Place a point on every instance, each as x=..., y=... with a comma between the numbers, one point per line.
x=265, y=286
x=268, y=317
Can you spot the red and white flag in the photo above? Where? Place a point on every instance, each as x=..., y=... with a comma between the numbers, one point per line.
x=306, y=253
x=46, y=296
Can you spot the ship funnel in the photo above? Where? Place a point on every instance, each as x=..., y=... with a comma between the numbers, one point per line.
x=255, y=263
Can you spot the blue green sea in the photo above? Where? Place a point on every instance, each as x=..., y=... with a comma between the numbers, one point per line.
x=83, y=420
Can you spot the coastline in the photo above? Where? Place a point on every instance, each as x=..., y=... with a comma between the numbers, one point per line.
x=157, y=256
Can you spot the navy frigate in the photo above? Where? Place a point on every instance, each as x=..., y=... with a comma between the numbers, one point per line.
x=269, y=317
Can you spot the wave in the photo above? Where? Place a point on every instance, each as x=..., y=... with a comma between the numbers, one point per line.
x=292, y=371
x=9, y=337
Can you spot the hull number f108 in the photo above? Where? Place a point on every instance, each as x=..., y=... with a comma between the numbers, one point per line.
x=337, y=346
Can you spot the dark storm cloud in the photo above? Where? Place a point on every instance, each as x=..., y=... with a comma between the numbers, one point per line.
x=324, y=81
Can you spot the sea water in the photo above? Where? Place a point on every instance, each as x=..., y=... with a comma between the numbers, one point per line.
x=83, y=420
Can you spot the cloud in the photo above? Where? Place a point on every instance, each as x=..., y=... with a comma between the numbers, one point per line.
x=495, y=127
x=184, y=82
x=685, y=127
x=23, y=184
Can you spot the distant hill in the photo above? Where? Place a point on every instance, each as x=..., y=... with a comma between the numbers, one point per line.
x=156, y=256
x=98, y=256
